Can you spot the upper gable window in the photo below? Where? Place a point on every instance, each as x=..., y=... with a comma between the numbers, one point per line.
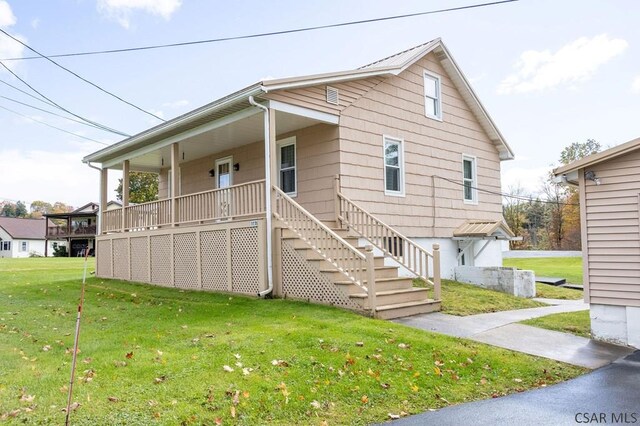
x=469, y=179
x=432, y=96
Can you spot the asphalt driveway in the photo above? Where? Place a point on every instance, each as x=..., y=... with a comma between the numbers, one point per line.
x=609, y=395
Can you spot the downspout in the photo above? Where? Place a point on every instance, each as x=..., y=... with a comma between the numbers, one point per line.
x=267, y=184
x=99, y=228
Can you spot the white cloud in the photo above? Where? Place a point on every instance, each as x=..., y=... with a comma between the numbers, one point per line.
x=177, y=104
x=7, y=18
x=121, y=10
x=529, y=179
x=51, y=176
x=35, y=23
x=8, y=47
x=635, y=86
x=575, y=62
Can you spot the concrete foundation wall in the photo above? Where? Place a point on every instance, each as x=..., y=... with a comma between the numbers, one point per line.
x=616, y=324
x=506, y=280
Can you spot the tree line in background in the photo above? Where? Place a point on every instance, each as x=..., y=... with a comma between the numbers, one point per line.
x=36, y=210
x=550, y=220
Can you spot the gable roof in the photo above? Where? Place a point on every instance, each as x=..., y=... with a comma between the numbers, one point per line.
x=28, y=229
x=389, y=66
x=90, y=207
x=593, y=159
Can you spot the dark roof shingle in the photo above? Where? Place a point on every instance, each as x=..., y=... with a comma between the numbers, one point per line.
x=28, y=229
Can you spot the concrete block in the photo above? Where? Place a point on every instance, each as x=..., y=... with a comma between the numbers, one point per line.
x=506, y=280
x=633, y=326
x=609, y=323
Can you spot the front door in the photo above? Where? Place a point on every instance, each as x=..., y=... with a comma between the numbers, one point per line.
x=224, y=179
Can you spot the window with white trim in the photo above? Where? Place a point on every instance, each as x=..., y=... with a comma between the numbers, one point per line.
x=393, y=166
x=24, y=246
x=469, y=179
x=287, y=173
x=5, y=245
x=432, y=96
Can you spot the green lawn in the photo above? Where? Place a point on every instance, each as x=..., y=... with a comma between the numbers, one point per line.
x=153, y=355
x=549, y=291
x=565, y=267
x=467, y=299
x=577, y=323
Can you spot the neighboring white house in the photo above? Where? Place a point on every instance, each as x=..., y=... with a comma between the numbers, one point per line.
x=21, y=237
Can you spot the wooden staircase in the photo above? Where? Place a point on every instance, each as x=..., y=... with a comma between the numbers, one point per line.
x=395, y=295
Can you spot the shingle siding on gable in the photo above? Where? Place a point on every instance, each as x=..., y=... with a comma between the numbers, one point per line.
x=315, y=97
x=395, y=107
x=613, y=238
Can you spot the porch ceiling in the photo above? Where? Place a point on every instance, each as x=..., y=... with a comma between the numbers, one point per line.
x=244, y=131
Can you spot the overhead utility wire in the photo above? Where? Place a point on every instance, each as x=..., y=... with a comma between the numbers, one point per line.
x=26, y=93
x=273, y=33
x=101, y=126
x=53, y=127
x=80, y=77
x=517, y=197
x=49, y=112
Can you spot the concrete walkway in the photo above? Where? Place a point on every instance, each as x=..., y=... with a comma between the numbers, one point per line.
x=610, y=393
x=500, y=329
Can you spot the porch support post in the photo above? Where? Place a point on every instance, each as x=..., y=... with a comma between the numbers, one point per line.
x=104, y=177
x=276, y=263
x=125, y=193
x=336, y=191
x=175, y=152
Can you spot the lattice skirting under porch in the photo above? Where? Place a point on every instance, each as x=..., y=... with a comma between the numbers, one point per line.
x=228, y=256
x=301, y=280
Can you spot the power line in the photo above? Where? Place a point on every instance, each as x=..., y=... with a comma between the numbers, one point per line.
x=102, y=126
x=49, y=112
x=26, y=93
x=80, y=77
x=268, y=34
x=502, y=194
x=53, y=127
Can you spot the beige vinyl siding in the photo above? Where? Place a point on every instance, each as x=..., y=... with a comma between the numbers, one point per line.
x=613, y=231
x=315, y=97
x=395, y=108
x=317, y=159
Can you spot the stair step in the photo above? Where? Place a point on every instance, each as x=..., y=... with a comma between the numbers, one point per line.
x=391, y=297
x=399, y=310
x=382, y=284
x=319, y=262
x=381, y=272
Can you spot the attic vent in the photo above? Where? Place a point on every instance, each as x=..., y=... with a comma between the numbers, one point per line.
x=332, y=95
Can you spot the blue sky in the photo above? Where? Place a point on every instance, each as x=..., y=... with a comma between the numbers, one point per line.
x=549, y=72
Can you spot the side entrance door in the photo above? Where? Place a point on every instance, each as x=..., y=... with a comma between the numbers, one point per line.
x=224, y=179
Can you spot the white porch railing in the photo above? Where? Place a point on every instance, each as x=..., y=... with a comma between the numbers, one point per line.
x=357, y=267
x=234, y=202
x=237, y=201
x=392, y=243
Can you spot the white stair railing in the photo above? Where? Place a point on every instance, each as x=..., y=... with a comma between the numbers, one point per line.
x=357, y=267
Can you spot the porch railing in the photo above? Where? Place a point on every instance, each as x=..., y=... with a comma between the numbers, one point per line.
x=111, y=221
x=247, y=199
x=392, y=243
x=147, y=215
x=234, y=202
x=357, y=267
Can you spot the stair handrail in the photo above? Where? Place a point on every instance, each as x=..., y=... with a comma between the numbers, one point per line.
x=357, y=267
x=408, y=253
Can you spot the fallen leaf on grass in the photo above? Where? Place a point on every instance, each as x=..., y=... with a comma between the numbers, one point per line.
x=129, y=355
x=87, y=360
x=517, y=380
x=72, y=407
x=246, y=371
x=360, y=344
x=227, y=369
x=315, y=404
x=113, y=399
x=27, y=398
x=364, y=399
x=404, y=346
x=160, y=379
x=120, y=363
x=394, y=416
x=279, y=363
